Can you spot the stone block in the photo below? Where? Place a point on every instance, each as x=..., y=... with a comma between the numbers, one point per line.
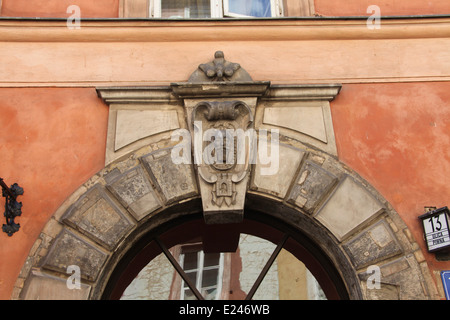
x=308, y=119
x=69, y=249
x=45, y=287
x=134, y=191
x=403, y=273
x=384, y=292
x=375, y=244
x=144, y=123
x=348, y=207
x=312, y=185
x=173, y=181
x=276, y=176
x=96, y=216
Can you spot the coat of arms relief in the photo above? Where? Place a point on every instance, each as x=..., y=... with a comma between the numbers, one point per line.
x=224, y=152
x=221, y=98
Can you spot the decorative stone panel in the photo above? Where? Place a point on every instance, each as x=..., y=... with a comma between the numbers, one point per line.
x=312, y=186
x=305, y=119
x=134, y=191
x=173, y=181
x=139, y=116
x=70, y=249
x=277, y=182
x=98, y=217
x=161, y=120
x=385, y=291
x=301, y=112
x=348, y=207
x=46, y=287
x=368, y=247
x=400, y=279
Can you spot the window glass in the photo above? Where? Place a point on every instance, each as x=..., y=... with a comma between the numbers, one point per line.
x=210, y=278
x=189, y=295
x=190, y=261
x=253, y=8
x=203, y=270
x=211, y=259
x=192, y=275
x=185, y=9
x=210, y=294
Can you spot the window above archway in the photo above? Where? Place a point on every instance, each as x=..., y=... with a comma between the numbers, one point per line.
x=204, y=9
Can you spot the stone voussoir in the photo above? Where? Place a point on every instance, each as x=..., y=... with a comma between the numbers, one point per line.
x=97, y=216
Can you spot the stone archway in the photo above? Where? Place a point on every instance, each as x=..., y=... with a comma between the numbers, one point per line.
x=141, y=186
x=100, y=222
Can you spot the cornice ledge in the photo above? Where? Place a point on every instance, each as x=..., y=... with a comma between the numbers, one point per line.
x=92, y=30
x=186, y=90
x=135, y=95
x=302, y=92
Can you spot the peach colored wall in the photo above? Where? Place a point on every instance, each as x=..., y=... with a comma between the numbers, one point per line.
x=387, y=7
x=52, y=141
x=58, y=8
x=396, y=136
x=154, y=63
x=110, y=8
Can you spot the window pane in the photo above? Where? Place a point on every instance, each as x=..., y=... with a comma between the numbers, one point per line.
x=254, y=8
x=191, y=276
x=209, y=294
x=210, y=278
x=211, y=259
x=190, y=261
x=185, y=8
x=189, y=295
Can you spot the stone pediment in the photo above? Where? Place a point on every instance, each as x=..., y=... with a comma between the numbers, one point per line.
x=227, y=119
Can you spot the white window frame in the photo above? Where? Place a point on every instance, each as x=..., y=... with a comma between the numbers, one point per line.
x=199, y=271
x=219, y=9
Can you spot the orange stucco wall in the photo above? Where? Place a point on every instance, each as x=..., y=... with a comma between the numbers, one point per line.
x=52, y=141
x=387, y=7
x=58, y=8
x=396, y=136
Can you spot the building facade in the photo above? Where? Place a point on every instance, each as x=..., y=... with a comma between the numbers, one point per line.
x=272, y=149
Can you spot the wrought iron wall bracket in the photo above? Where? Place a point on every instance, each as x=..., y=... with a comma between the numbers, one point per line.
x=13, y=209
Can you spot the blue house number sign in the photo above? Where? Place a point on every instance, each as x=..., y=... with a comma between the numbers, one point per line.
x=445, y=275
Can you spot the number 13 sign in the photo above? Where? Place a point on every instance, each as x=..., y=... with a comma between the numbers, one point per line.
x=436, y=227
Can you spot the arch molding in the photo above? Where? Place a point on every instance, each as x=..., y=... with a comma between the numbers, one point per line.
x=313, y=193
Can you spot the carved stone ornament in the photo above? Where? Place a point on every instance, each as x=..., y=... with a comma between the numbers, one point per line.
x=223, y=144
x=219, y=70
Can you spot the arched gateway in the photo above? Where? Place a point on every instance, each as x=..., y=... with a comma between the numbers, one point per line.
x=288, y=188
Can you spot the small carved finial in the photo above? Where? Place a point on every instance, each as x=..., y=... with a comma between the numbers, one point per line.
x=219, y=69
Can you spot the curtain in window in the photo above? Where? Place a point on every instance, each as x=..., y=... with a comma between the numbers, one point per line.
x=254, y=8
x=185, y=8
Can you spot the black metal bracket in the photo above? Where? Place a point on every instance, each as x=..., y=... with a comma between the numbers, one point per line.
x=13, y=208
